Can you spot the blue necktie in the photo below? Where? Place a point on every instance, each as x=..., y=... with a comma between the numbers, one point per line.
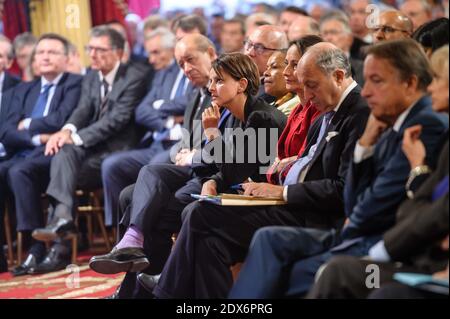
x=39, y=108
x=441, y=189
x=180, y=89
x=298, y=166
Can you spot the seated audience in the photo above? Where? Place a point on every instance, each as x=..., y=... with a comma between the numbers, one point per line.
x=301, y=27
x=392, y=25
x=232, y=36
x=397, y=74
x=288, y=15
x=159, y=114
x=419, y=11
x=101, y=124
x=214, y=237
x=36, y=110
x=23, y=46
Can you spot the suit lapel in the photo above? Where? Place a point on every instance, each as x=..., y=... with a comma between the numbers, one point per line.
x=118, y=84
x=190, y=111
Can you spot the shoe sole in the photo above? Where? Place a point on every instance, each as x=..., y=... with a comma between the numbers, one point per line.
x=110, y=267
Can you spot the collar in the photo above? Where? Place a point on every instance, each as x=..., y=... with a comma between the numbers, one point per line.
x=111, y=75
x=2, y=79
x=345, y=94
x=402, y=117
x=55, y=82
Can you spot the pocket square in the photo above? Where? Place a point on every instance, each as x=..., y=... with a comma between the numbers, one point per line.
x=331, y=135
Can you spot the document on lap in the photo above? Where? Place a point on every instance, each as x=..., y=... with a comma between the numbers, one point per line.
x=239, y=200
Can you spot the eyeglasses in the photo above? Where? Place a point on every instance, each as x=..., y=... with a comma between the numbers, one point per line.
x=387, y=29
x=89, y=49
x=259, y=48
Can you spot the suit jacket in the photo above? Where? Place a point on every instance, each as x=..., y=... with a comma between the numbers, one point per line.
x=114, y=127
x=320, y=197
x=9, y=83
x=152, y=119
x=258, y=115
x=64, y=101
x=421, y=224
x=357, y=71
x=375, y=187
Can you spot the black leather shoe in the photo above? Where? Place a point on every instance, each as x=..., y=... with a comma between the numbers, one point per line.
x=148, y=282
x=23, y=269
x=52, y=262
x=59, y=228
x=120, y=260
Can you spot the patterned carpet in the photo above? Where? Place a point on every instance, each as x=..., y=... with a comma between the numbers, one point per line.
x=76, y=283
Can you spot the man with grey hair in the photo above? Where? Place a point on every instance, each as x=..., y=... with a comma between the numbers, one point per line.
x=335, y=28
x=23, y=47
x=302, y=26
x=419, y=11
x=160, y=114
x=214, y=237
x=260, y=45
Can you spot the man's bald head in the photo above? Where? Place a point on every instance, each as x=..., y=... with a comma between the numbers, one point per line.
x=303, y=26
x=263, y=42
x=392, y=25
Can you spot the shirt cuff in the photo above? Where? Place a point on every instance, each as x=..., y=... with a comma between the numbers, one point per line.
x=379, y=253
x=2, y=151
x=285, y=193
x=170, y=122
x=362, y=153
x=70, y=127
x=27, y=123
x=176, y=133
x=76, y=139
x=36, y=140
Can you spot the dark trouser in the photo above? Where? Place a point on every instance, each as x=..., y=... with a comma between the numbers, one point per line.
x=212, y=239
x=348, y=277
x=28, y=180
x=166, y=221
x=73, y=167
x=272, y=252
x=122, y=168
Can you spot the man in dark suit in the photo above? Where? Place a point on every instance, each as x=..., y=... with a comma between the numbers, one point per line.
x=7, y=82
x=101, y=124
x=412, y=245
x=397, y=74
x=36, y=110
x=213, y=238
x=159, y=114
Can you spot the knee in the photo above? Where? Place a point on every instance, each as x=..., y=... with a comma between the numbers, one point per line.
x=109, y=167
x=193, y=214
x=14, y=174
x=126, y=195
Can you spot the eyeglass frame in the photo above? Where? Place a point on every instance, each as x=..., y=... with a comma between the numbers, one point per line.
x=258, y=47
x=389, y=29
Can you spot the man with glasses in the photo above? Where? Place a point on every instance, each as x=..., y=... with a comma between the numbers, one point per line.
x=35, y=110
x=101, y=124
x=260, y=45
x=392, y=25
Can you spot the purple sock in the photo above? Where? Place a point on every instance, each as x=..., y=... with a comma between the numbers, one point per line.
x=132, y=238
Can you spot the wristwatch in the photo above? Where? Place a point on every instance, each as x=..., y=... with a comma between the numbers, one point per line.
x=413, y=174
